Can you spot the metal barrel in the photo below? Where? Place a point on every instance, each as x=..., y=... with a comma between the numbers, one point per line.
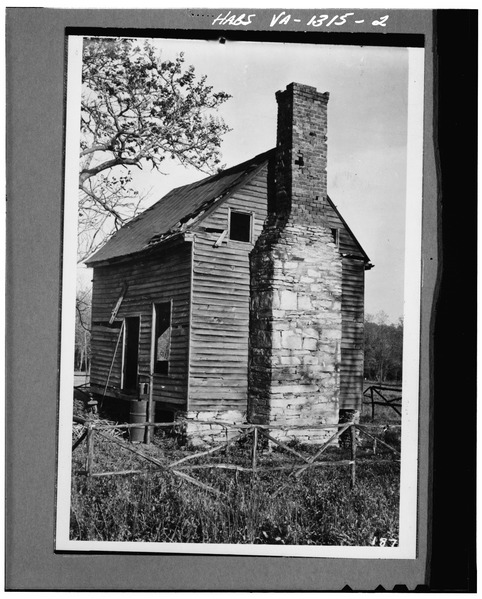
x=137, y=414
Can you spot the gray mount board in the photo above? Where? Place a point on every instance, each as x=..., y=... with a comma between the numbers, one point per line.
x=35, y=121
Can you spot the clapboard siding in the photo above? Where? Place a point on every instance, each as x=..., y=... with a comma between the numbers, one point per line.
x=161, y=277
x=352, y=346
x=210, y=294
x=347, y=243
x=220, y=305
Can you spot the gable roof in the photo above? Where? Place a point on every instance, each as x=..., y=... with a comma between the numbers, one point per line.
x=184, y=207
x=177, y=211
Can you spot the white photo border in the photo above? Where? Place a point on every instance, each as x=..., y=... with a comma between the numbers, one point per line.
x=407, y=548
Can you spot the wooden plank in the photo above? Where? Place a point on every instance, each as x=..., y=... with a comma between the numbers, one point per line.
x=237, y=330
x=237, y=348
x=223, y=251
x=124, y=288
x=136, y=270
x=209, y=395
x=208, y=299
x=217, y=371
x=175, y=272
x=220, y=382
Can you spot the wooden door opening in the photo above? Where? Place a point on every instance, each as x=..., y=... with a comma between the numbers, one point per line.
x=131, y=353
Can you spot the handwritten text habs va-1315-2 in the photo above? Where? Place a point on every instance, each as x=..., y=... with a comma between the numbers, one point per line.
x=283, y=18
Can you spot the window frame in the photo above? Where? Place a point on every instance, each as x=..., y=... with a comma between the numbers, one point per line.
x=155, y=336
x=125, y=340
x=251, y=215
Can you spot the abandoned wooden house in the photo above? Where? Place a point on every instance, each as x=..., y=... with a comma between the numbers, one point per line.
x=239, y=298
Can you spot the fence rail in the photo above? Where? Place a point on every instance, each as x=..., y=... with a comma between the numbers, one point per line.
x=257, y=438
x=392, y=402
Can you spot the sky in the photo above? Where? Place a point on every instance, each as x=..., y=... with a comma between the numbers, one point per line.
x=367, y=135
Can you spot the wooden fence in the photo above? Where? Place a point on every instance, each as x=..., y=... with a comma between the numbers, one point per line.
x=256, y=439
x=378, y=391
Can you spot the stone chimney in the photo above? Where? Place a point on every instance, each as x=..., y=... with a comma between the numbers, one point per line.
x=296, y=270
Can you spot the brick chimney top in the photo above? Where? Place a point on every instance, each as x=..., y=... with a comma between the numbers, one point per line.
x=294, y=88
x=301, y=152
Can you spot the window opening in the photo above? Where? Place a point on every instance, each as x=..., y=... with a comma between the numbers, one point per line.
x=240, y=226
x=163, y=338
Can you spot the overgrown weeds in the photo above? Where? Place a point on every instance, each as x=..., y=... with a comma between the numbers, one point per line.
x=318, y=508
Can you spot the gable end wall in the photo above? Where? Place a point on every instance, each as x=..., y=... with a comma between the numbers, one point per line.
x=220, y=309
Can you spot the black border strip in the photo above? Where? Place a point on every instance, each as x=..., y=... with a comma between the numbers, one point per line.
x=399, y=40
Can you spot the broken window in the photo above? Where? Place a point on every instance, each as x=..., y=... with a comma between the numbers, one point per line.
x=163, y=338
x=240, y=226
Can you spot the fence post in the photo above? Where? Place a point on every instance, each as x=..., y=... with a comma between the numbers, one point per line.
x=90, y=449
x=353, y=454
x=255, y=445
x=373, y=404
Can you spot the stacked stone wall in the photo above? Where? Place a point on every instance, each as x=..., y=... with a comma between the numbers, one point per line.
x=296, y=282
x=295, y=341
x=206, y=428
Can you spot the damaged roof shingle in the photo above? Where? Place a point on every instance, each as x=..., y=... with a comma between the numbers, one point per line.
x=177, y=211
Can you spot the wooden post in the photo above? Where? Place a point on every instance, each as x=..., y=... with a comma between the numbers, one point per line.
x=150, y=413
x=90, y=449
x=150, y=401
x=373, y=404
x=353, y=454
x=255, y=445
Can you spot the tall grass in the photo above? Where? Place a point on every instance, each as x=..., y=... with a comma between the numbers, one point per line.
x=319, y=508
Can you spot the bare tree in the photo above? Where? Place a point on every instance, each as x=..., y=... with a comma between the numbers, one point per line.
x=137, y=110
x=82, y=329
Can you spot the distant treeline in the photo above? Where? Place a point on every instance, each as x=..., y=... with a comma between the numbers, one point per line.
x=383, y=348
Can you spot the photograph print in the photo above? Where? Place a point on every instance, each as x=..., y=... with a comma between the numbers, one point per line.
x=241, y=289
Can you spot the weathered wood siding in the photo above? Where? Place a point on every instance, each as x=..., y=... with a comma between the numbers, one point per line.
x=209, y=347
x=220, y=305
x=352, y=307
x=352, y=344
x=158, y=278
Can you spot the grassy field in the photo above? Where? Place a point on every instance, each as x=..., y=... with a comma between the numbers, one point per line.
x=319, y=508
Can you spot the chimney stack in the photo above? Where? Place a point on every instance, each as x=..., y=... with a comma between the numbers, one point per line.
x=296, y=270
x=301, y=152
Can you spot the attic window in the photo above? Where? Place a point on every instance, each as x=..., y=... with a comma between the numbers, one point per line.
x=240, y=226
x=335, y=233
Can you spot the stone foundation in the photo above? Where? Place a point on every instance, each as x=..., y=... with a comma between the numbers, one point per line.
x=199, y=432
